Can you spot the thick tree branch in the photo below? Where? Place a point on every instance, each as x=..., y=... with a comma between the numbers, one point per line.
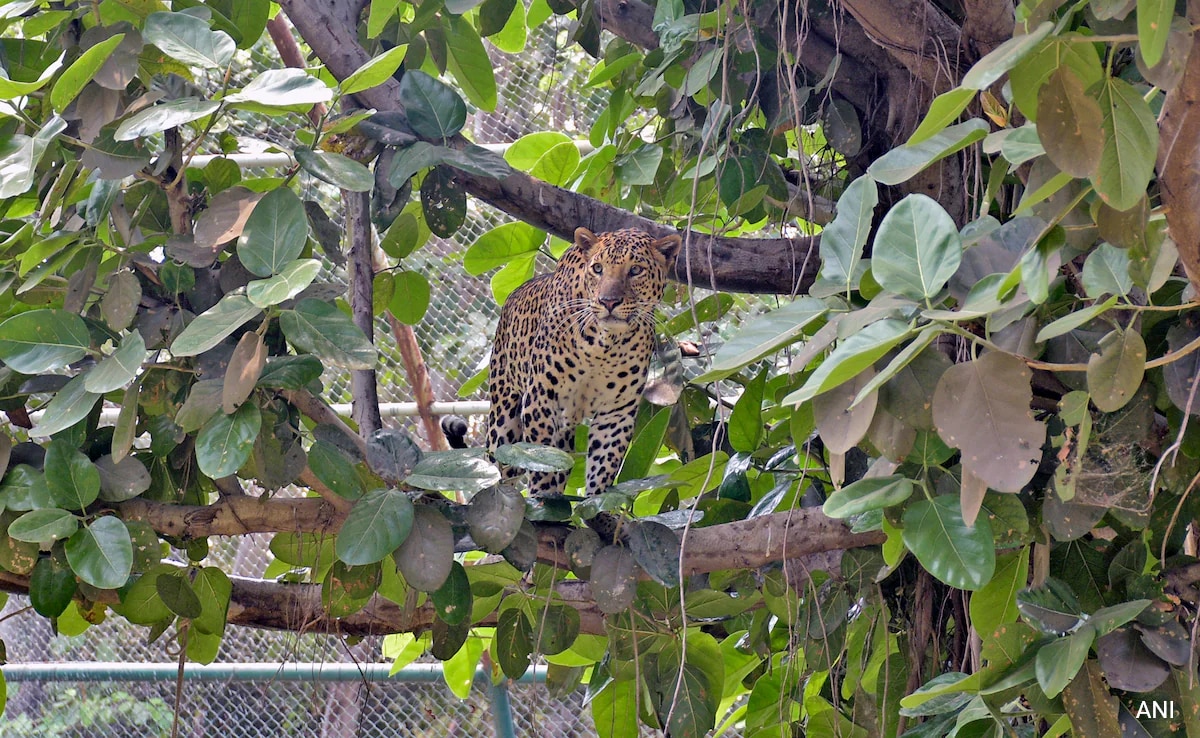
x=363, y=386
x=769, y=265
x=916, y=33
x=1178, y=154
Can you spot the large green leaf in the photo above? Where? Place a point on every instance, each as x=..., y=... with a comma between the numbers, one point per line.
x=118, y=368
x=1004, y=57
x=868, y=494
x=70, y=405
x=101, y=554
x=1069, y=123
x=72, y=478
x=376, y=526
x=842, y=240
x=961, y=556
x=434, y=109
x=917, y=249
x=281, y=88
x=214, y=325
x=850, y=357
x=376, y=71
x=1059, y=661
x=499, y=245
x=763, y=335
x=337, y=170
x=166, y=115
x=1115, y=373
x=995, y=603
x=745, y=422
x=42, y=340
x=1154, y=27
x=1106, y=272
x=1130, y=145
x=225, y=441
x=189, y=39
x=319, y=328
x=10, y=88
x=275, y=233
x=410, y=297
x=71, y=82
x=453, y=471
x=469, y=63
x=44, y=526
x=903, y=162
x=290, y=282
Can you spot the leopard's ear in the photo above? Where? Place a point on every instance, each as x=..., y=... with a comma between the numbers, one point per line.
x=668, y=246
x=585, y=239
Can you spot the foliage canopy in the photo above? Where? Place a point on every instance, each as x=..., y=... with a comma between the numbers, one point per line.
x=985, y=379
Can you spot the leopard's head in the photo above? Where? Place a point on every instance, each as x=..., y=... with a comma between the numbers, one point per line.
x=622, y=275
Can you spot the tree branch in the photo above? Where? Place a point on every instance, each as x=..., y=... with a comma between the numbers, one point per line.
x=769, y=265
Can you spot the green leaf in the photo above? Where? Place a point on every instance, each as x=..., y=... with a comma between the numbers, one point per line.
x=702, y=72
x=850, y=357
x=961, y=556
x=1004, y=57
x=44, y=526
x=1060, y=660
x=72, y=404
x=643, y=450
x=514, y=642
x=319, y=328
x=1130, y=145
x=745, y=422
x=557, y=166
x=943, y=111
x=605, y=71
x=214, y=589
x=514, y=274
x=158, y=118
x=334, y=470
x=427, y=553
x=71, y=82
x=293, y=280
x=10, y=89
x=337, y=170
x=51, y=587
x=225, y=442
x=275, y=233
x=452, y=600
x=39, y=341
x=655, y=548
x=995, y=603
x=500, y=245
x=101, y=554
x=873, y=493
x=1070, y=124
x=118, y=368
x=1071, y=321
x=214, y=325
x=443, y=202
x=1153, y=28
x=763, y=335
x=410, y=297
x=469, y=63
x=1115, y=373
x=375, y=72
x=71, y=477
x=902, y=163
x=189, y=39
x=917, y=249
x=639, y=166
x=610, y=710
x=281, y=88
x=177, y=594
x=528, y=149
x=453, y=471
x=843, y=239
x=122, y=480
x=1106, y=272
x=434, y=109
x=534, y=457
x=376, y=526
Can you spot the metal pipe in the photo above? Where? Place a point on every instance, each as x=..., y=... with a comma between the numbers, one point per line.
x=502, y=717
x=285, y=159
x=107, y=671
x=108, y=416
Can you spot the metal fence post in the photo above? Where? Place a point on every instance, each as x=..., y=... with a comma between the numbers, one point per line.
x=502, y=711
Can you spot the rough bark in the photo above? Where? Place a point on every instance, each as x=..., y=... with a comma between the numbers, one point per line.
x=1178, y=152
x=363, y=387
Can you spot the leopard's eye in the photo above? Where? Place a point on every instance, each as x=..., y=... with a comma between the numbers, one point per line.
x=598, y=268
x=635, y=270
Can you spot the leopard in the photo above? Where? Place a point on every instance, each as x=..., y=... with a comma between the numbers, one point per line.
x=575, y=345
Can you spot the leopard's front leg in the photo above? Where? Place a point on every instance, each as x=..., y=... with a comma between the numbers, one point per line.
x=544, y=423
x=608, y=438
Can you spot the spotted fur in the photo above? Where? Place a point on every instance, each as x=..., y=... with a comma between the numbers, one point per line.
x=574, y=345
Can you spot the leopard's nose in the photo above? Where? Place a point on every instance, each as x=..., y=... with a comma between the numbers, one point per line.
x=609, y=303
